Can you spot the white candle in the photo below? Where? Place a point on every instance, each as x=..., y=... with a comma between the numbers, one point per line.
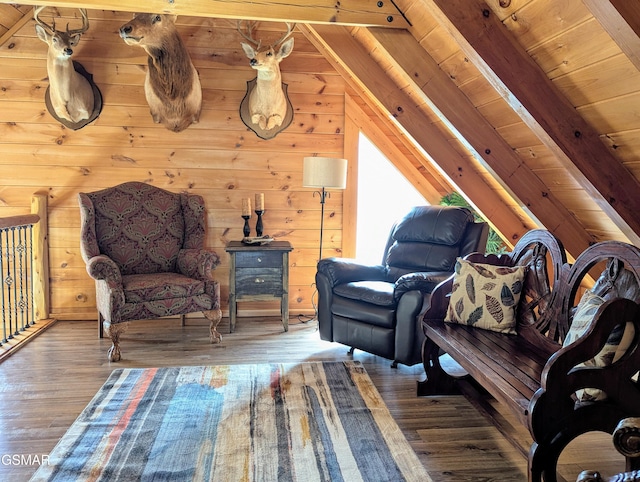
x=260, y=202
x=246, y=207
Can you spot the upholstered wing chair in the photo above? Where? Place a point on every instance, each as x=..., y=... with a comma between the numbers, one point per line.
x=143, y=246
x=375, y=308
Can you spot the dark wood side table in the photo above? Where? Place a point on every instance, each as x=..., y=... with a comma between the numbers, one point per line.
x=259, y=273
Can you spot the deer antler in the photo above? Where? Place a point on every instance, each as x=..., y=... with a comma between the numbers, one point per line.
x=36, y=15
x=249, y=35
x=85, y=24
x=290, y=28
x=52, y=28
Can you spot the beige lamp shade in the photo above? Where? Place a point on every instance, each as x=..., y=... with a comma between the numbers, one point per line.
x=326, y=172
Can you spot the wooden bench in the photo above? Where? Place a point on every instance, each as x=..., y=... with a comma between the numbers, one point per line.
x=530, y=373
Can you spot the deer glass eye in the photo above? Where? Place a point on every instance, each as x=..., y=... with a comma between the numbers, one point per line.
x=156, y=19
x=269, y=54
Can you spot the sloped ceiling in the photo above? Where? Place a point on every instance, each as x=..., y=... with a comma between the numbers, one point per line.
x=530, y=108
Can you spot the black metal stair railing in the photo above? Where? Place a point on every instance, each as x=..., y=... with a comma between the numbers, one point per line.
x=16, y=275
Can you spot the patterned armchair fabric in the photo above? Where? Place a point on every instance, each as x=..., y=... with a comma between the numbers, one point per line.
x=144, y=248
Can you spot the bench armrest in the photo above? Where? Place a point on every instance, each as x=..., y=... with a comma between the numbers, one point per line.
x=562, y=376
x=439, y=302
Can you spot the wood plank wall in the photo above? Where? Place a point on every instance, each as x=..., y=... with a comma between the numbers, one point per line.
x=219, y=158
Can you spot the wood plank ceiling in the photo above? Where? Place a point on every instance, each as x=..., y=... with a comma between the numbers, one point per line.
x=530, y=108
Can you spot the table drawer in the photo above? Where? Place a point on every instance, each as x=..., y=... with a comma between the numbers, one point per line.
x=259, y=281
x=260, y=259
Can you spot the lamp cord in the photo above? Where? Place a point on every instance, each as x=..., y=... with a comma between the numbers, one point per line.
x=307, y=318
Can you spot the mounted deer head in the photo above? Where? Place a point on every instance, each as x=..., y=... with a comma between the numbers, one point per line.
x=172, y=86
x=267, y=102
x=70, y=93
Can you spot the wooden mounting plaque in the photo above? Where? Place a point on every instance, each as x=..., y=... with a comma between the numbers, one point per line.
x=245, y=115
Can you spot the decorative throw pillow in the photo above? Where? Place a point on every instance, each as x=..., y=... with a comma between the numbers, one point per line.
x=485, y=296
x=617, y=343
x=585, y=311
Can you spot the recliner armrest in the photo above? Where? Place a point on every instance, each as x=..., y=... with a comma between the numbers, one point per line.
x=197, y=263
x=345, y=270
x=424, y=282
x=102, y=267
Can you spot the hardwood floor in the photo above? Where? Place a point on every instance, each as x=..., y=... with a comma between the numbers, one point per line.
x=45, y=385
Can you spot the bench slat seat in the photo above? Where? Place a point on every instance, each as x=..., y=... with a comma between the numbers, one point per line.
x=483, y=355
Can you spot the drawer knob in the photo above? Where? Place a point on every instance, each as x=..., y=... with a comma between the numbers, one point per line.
x=259, y=260
x=259, y=280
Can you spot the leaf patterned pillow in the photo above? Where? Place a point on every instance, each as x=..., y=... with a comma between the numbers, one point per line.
x=485, y=296
x=616, y=346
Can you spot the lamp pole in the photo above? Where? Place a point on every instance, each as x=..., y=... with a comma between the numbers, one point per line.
x=320, y=173
x=323, y=195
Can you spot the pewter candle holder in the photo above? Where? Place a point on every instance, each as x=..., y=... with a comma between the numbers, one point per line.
x=246, y=230
x=259, y=222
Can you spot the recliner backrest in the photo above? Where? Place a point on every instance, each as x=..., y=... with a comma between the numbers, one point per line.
x=428, y=238
x=475, y=238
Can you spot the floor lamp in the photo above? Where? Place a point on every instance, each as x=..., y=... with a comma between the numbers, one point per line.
x=324, y=173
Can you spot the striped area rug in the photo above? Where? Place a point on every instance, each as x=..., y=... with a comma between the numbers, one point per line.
x=270, y=422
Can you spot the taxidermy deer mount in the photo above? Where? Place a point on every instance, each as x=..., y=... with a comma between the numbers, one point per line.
x=71, y=94
x=172, y=86
x=267, y=99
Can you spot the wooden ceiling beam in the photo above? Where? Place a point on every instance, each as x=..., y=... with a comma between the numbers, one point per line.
x=540, y=104
x=464, y=121
x=621, y=20
x=368, y=79
x=16, y=26
x=344, y=12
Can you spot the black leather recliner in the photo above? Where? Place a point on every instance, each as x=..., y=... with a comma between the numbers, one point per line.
x=375, y=308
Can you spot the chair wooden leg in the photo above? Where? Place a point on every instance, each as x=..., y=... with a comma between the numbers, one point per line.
x=100, y=329
x=214, y=317
x=114, y=332
x=182, y=318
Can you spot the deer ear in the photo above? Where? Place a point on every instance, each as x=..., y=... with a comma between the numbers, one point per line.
x=285, y=49
x=42, y=33
x=248, y=50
